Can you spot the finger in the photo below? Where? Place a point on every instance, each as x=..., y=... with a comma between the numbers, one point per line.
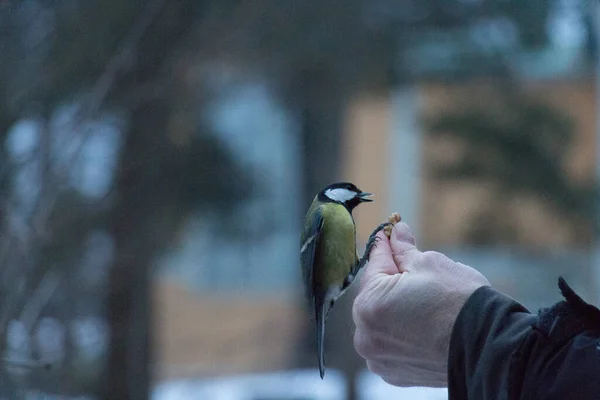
x=381, y=261
x=403, y=246
x=403, y=235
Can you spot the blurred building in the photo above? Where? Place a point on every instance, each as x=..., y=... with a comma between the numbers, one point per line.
x=206, y=336
x=385, y=150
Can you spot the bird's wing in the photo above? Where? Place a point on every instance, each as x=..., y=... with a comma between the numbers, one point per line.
x=309, y=242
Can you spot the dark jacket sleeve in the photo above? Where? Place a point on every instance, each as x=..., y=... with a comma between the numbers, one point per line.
x=499, y=350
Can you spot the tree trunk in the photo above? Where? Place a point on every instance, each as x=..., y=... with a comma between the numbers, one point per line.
x=319, y=99
x=136, y=242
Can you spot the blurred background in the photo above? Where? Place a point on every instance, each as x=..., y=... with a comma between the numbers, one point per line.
x=157, y=158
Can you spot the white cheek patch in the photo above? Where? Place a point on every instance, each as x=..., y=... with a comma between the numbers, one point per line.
x=342, y=195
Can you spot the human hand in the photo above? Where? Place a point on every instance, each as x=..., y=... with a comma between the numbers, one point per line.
x=406, y=307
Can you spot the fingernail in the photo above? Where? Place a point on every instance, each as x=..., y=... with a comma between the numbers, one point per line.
x=402, y=227
x=403, y=232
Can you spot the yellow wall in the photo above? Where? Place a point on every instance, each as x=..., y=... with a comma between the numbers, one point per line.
x=365, y=158
x=447, y=208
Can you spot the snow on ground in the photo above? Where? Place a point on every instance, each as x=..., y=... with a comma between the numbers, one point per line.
x=299, y=384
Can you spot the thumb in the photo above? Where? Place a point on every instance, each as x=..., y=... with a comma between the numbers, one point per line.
x=403, y=246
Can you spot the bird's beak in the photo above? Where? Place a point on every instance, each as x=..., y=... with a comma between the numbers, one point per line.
x=365, y=197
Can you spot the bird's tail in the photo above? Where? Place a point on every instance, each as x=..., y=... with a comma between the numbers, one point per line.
x=320, y=319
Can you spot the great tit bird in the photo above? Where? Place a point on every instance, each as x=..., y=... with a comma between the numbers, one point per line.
x=328, y=251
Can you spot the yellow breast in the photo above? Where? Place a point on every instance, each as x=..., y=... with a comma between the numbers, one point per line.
x=337, y=250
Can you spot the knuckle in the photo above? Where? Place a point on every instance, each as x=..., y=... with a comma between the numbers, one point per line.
x=368, y=346
x=374, y=367
x=379, y=368
x=360, y=310
x=388, y=380
x=394, y=376
x=362, y=345
x=434, y=258
x=394, y=381
x=430, y=255
x=366, y=311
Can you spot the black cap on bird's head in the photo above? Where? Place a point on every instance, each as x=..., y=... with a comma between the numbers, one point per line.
x=344, y=193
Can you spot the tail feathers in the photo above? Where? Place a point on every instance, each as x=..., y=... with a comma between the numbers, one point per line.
x=320, y=319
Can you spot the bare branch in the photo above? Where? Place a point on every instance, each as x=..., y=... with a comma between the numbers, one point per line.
x=120, y=59
x=39, y=298
x=28, y=238
x=25, y=363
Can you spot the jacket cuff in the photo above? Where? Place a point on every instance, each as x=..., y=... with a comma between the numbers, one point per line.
x=487, y=331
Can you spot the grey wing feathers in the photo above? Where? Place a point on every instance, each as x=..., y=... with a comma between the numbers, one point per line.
x=310, y=240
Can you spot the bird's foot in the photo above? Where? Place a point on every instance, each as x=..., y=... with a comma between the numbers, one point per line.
x=371, y=243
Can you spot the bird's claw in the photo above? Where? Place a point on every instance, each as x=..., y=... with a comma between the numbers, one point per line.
x=373, y=235
x=373, y=238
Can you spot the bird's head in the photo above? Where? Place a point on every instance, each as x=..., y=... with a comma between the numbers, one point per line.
x=344, y=193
